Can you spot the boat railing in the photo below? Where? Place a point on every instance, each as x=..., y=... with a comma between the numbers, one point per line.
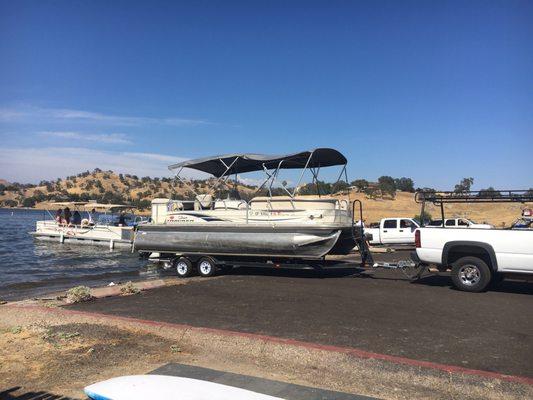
x=338, y=209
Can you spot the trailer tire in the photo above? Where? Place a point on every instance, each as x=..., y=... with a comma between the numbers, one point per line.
x=206, y=266
x=471, y=274
x=183, y=267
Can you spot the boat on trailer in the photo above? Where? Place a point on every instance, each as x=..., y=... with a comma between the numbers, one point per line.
x=103, y=228
x=279, y=230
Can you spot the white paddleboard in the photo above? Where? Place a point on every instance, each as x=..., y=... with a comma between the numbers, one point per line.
x=142, y=387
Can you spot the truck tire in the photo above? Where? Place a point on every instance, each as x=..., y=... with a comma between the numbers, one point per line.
x=206, y=266
x=471, y=274
x=183, y=267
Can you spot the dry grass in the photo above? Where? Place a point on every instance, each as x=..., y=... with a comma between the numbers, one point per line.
x=404, y=205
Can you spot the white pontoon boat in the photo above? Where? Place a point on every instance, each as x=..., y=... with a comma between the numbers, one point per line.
x=110, y=224
x=207, y=229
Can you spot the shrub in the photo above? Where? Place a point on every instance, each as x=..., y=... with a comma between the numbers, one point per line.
x=129, y=288
x=79, y=294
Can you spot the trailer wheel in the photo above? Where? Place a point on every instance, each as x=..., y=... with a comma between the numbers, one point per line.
x=206, y=266
x=471, y=274
x=183, y=267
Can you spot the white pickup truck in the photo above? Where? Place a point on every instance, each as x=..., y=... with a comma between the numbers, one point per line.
x=476, y=257
x=458, y=223
x=393, y=231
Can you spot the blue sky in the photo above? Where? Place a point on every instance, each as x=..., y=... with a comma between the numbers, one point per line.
x=435, y=91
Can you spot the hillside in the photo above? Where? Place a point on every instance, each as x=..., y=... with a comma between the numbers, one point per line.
x=103, y=186
x=109, y=187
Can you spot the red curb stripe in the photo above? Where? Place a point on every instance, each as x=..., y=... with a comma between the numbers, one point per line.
x=308, y=345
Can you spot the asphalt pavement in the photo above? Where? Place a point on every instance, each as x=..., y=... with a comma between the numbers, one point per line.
x=379, y=311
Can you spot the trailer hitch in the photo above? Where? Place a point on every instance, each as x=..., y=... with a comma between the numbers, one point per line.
x=411, y=269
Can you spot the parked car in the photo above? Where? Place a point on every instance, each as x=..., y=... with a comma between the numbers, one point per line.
x=458, y=223
x=476, y=257
x=393, y=231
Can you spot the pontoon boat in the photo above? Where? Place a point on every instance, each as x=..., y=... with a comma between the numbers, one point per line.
x=104, y=227
x=288, y=226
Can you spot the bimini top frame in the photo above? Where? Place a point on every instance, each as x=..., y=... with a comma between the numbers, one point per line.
x=223, y=166
x=478, y=196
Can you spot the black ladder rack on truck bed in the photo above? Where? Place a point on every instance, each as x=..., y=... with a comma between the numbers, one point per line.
x=472, y=196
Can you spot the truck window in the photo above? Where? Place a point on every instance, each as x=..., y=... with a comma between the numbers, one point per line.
x=462, y=222
x=406, y=223
x=450, y=222
x=390, y=224
x=437, y=222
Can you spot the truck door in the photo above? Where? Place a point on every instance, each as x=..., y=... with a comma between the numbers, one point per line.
x=389, y=231
x=450, y=223
x=407, y=231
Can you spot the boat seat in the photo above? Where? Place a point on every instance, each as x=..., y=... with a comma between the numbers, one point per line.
x=296, y=203
x=230, y=205
x=203, y=202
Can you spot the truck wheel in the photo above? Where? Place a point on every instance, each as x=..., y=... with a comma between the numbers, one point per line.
x=206, y=266
x=183, y=267
x=471, y=274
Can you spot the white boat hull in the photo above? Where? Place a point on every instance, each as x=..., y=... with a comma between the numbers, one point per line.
x=97, y=234
x=142, y=387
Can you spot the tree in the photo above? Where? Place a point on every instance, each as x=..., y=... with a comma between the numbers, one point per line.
x=489, y=193
x=340, y=186
x=464, y=185
x=360, y=184
x=28, y=202
x=387, y=185
x=405, y=184
x=10, y=203
x=39, y=196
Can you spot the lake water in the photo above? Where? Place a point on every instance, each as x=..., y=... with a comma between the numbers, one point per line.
x=31, y=267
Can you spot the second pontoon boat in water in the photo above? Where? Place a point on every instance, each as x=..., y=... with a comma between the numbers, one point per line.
x=101, y=224
x=291, y=226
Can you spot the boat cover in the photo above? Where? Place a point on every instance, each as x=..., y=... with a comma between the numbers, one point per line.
x=248, y=162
